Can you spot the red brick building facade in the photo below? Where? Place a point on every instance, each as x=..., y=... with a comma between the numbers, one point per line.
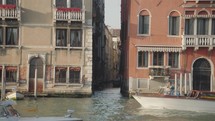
x=168, y=41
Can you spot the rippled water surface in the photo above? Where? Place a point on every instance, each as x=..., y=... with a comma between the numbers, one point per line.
x=107, y=105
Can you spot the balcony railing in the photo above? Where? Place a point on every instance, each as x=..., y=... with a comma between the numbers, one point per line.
x=197, y=41
x=159, y=71
x=10, y=12
x=69, y=14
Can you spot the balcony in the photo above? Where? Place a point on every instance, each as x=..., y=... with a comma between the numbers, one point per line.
x=159, y=71
x=69, y=14
x=9, y=12
x=197, y=41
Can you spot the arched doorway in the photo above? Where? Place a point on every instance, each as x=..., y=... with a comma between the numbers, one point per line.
x=36, y=63
x=201, y=75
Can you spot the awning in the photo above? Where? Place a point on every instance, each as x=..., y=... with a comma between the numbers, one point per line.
x=75, y=68
x=159, y=49
x=11, y=68
x=199, y=16
x=60, y=68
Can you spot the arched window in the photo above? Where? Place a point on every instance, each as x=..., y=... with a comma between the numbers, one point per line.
x=143, y=22
x=202, y=23
x=213, y=24
x=189, y=23
x=174, y=22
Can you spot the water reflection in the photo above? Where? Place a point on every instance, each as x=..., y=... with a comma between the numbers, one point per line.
x=107, y=105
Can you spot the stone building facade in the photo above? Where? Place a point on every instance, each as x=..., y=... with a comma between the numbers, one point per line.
x=46, y=45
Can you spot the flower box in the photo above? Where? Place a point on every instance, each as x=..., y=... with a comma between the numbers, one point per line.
x=8, y=6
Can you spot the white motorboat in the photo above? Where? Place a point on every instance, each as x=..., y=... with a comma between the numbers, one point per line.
x=15, y=95
x=8, y=113
x=176, y=103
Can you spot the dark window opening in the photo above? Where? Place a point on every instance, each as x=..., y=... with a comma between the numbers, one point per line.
x=75, y=38
x=11, y=36
x=142, y=59
x=61, y=3
x=1, y=36
x=60, y=75
x=189, y=26
x=61, y=37
x=213, y=27
x=158, y=58
x=11, y=2
x=202, y=26
x=76, y=4
x=173, y=25
x=143, y=24
x=174, y=60
x=74, y=76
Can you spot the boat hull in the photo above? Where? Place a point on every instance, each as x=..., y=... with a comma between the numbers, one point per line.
x=176, y=103
x=15, y=96
x=49, y=119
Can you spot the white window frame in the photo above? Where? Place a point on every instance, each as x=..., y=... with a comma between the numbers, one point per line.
x=179, y=26
x=68, y=3
x=138, y=24
x=178, y=60
x=153, y=58
x=141, y=67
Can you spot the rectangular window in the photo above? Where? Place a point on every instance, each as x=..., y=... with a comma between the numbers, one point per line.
x=1, y=36
x=61, y=3
x=61, y=37
x=213, y=27
x=202, y=26
x=11, y=2
x=11, y=74
x=158, y=58
x=75, y=38
x=142, y=59
x=0, y=73
x=60, y=74
x=173, y=25
x=76, y=4
x=143, y=24
x=173, y=60
x=11, y=36
x=189, y=26
x=74, y=75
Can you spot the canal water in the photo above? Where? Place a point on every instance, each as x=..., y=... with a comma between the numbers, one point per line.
x=106, y=105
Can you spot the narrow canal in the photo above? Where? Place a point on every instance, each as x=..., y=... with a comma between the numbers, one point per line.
x=107, y=105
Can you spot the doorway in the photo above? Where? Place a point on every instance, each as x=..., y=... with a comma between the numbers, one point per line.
x=36, y=63
x=201, y=75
